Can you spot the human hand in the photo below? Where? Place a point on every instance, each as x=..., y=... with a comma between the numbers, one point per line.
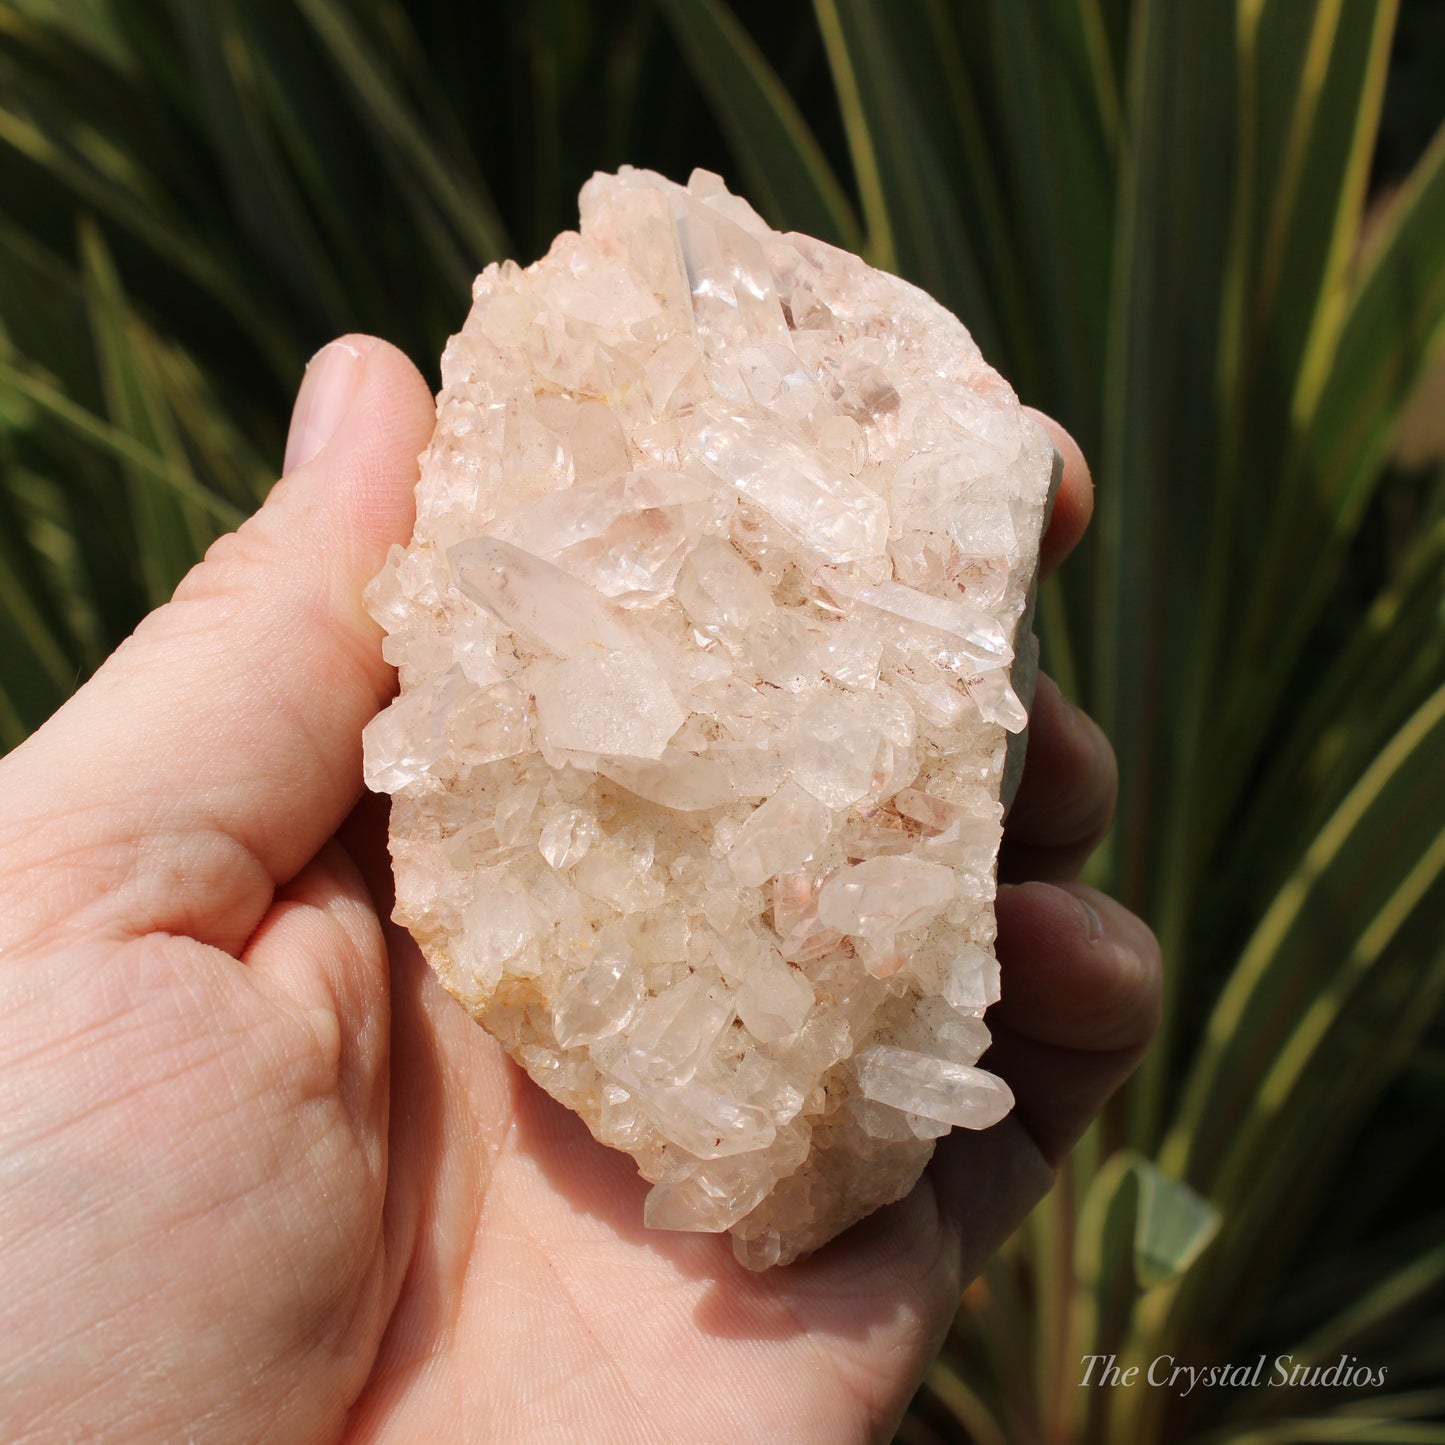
x=264, y=1180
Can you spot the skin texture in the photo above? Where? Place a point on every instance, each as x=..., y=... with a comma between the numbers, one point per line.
x=263, y=1180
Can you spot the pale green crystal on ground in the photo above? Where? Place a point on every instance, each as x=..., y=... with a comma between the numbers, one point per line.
x=711, y=637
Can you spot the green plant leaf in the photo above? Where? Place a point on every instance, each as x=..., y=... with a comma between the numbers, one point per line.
x=1344, y=426
x=233, y=99
x=92, y=429
x=89, y=23
x=1314, y=81
x=1328, y=1429
x=965, y=1406
x=1382, y=852
x=783, y=167
x=1390, y=1302
x=1164, y=310
x=1168, y=1225
x=1173, y=1228
x=1152, y=534
x=1386, y=668
x=1341, y=977
x=1056, y=102
x=82, y=160
x=170, y=530
x=462, y=200
x=909, y=208
x=39, y=665
x=1311, y=82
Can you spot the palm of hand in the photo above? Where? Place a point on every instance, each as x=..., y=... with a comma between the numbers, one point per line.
x=258, y=1193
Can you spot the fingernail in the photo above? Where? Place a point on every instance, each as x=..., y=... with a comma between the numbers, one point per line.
x=1093, y=923
x=323, y=400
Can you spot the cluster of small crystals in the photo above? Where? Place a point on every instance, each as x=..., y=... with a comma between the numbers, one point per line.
x=707, y=649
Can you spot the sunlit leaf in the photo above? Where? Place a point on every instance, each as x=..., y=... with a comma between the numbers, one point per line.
x=1174, y=1226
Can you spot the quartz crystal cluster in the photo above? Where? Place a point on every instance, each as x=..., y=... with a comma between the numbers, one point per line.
x=711, y=638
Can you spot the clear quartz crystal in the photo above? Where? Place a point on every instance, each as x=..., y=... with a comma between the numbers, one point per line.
x=713, y=641
x=948, y=1093
x=677, y=1030
x=782, y=834
x=597, y=1002
x=882, y=896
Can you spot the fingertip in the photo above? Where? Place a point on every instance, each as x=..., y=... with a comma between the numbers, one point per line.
x=1081, y=1004
x=1073, y=504
x=349, y=492
x=1080, y=971
x=1066, y=797
x=327, y=388
x=366, y=461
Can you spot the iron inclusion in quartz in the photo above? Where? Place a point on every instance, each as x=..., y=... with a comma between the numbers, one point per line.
x=712, y=636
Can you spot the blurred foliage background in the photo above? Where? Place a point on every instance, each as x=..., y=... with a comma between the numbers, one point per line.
x=1209, y=237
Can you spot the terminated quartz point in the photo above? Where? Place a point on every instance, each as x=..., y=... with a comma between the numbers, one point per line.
x=713, y=639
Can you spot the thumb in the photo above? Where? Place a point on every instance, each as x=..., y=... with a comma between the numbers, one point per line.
x=219, y=747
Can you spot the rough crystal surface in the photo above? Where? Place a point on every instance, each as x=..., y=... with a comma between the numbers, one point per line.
x=712, y=636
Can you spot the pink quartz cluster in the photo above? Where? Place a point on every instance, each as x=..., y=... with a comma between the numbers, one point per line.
x=711, y=640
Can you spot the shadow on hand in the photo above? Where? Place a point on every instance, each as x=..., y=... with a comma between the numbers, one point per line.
x=864, y=1282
